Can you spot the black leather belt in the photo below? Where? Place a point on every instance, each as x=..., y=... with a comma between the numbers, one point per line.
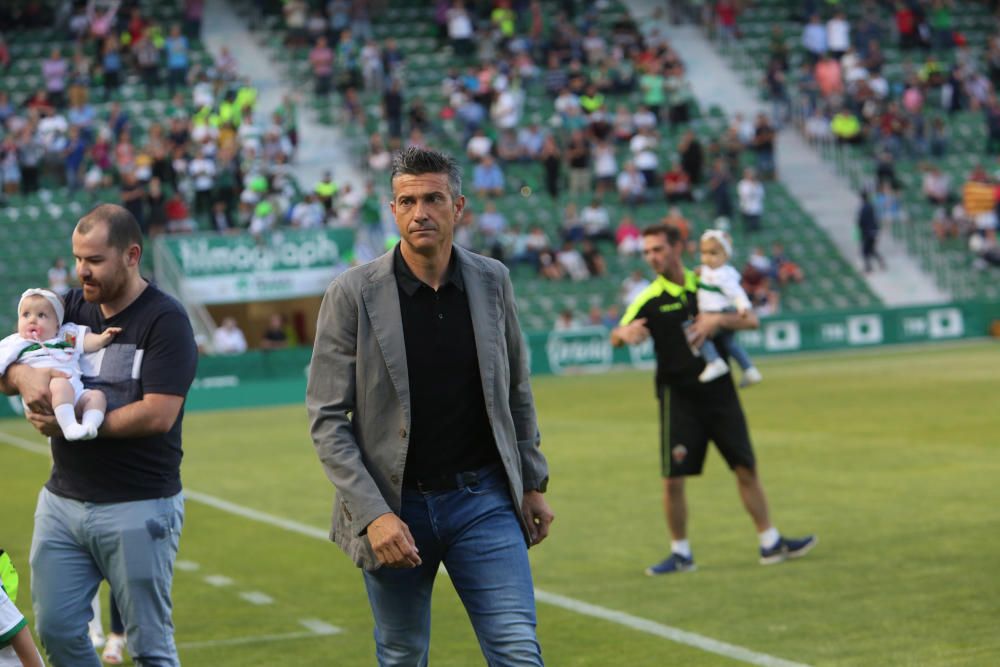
x=447, y=482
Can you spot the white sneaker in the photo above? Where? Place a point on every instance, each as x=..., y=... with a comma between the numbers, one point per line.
x=114, y=650
x=751, y=376
x=713, y=370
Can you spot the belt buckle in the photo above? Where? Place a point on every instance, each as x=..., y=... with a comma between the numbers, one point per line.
x=469, y=478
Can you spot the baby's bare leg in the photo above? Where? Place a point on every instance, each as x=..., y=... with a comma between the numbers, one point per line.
x=62, y=392
x=93, y=404
x=92, y=399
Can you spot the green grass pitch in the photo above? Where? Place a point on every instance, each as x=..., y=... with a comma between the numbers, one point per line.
x=891, y=456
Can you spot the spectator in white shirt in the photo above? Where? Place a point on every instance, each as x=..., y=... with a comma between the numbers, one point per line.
x=202, y=173
x=535, y=244
x=605, y=164
x=506, y=109
x=530, y=139
x=751, y=195
x=817, y=127
x=228, y=339
x=596, y=222
x=644, y=118
x=631, y=185
x=838, y=35
x=632, y=286
x=460, y=29
x=572, y=262
x=744, y=127
x=308, y=213
x=594, y=46
x=492, y=225
x=566, y=321
x=479, y=145
x=250, y=133
x=566, y=101
x=814, y=38
x=59, y=277
x=643, y=148
x=936, y=186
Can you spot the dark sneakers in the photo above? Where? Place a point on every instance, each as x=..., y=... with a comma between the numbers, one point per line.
x=787, y=548
x=672, y=563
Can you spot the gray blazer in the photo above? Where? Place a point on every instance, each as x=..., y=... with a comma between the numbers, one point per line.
x=358, y=396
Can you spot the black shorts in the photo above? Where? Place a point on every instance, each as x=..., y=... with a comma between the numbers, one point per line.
x=693, y=414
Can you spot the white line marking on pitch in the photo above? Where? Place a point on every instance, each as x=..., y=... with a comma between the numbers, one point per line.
x=578, y=606
x=257, y=639
x=187, y=565
x=218, y=580
x=314, y=627
x=320, y=627
x=254, y=515
x=257, y=598
x=21, y=443
x=667, y=632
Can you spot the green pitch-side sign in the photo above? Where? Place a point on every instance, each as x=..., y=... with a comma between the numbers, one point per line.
x=277, y=377
x=280, y=265
x=588, y=349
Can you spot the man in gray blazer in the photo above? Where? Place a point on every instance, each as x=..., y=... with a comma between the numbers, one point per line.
x=422, y=415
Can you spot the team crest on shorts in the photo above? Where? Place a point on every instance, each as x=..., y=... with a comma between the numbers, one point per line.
x=679, y=453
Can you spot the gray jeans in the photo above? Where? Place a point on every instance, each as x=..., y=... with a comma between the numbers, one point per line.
x=133, y=545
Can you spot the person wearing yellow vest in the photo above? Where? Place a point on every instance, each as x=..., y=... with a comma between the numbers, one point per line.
x=846, y=127
x=503, y=18
x=154, y=33
x=202, y=116
x=228, y=112
x=592, y=99
x=693, y=412
x=246, y=97
x=326, y=190
x=16, y=645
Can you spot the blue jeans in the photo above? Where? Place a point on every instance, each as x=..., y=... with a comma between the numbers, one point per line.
x=476, y=533
x=133, y=545
x=728, y=339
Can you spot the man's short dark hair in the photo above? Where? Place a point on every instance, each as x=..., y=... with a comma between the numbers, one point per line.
x=414, y=161
x=672, y=234
x=123, y=230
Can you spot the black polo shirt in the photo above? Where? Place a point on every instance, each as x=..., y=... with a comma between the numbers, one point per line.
x=449, y=429
x=666, y=307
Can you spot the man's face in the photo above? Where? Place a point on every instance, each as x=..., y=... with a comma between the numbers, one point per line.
x=657, y=253
x=102, y=269
x=37, y=319
x=425, y=211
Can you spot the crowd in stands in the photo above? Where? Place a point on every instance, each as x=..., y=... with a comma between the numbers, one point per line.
x=589, y=148
x=202, y=159
x=611, y=150
x=888, y=78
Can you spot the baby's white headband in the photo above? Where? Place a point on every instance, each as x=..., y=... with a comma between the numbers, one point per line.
x=49, y=296
x=722, y=238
